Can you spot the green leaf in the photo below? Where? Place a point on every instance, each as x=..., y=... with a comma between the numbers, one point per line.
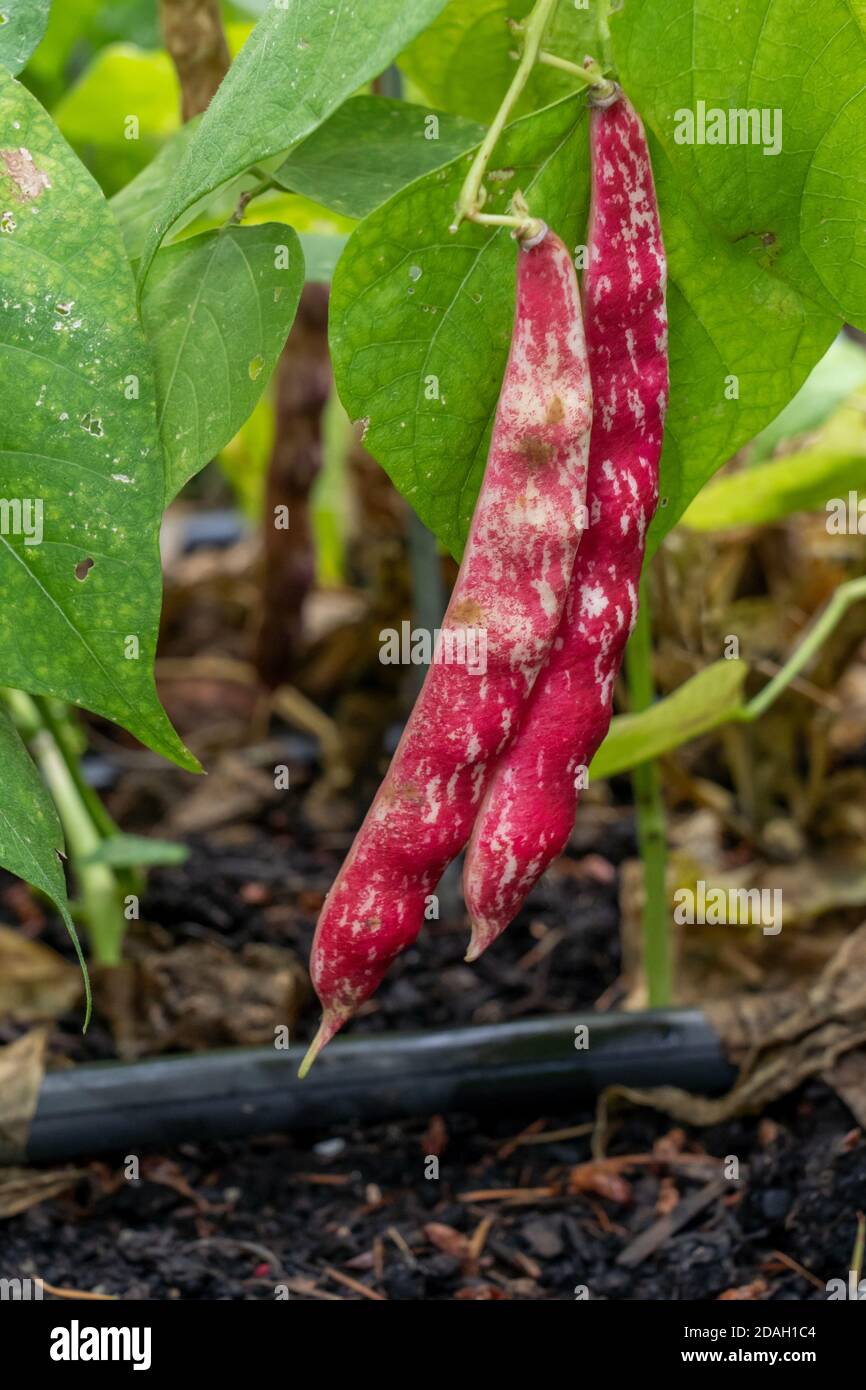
x=217, y=310
x=701, y=704
x=31, y=840
x=137, y=852
x=135, y=208
x=463, y=62
x=135, y=205
x=730, y=320
x=800, y=212
x=840, y=371
x=803, y=481
x=299, y=64
x=369, y=149
x=80, y=459
x=410, y=303
x=22, y=24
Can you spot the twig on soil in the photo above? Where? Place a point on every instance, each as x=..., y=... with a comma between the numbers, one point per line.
x=507, y=1149
x=308, y=1288
x=354, y=1284
x=552, y=1136
x=516, y=1258
x=795, y=1266
x=519, y=1196
x=323, y=1179
x=606, y=1226
x=542, y=948
x=479, y=1238
x=74, y=1293
x=660, y=1231
x=394, y=1235
x=228, y=1243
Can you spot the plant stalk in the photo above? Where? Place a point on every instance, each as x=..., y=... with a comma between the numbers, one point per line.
x=604, y=32
x=649, y=805
x=472, y=195
x=62, y=730
x=846, y=595
x=100, y=892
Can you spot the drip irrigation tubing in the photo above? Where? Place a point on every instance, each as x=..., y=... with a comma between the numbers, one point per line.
x=534, y=1063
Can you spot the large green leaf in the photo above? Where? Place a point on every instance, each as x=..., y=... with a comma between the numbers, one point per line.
x=78, y=442
x=712, y=697
x=411, y=303
x=369, y=149
x=300, y=63
x=22, y=24
x=840, y=371
x=217, y=310
x=31, y=839
x=802, y=211
x=464, y=61
x=135, y=205
x=731, y=321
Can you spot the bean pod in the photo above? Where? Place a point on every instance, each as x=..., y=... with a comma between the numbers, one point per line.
x=508, y=601
x=528, y=811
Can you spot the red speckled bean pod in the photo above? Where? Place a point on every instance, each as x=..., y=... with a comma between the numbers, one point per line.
x=528, y=811
x=511, y=589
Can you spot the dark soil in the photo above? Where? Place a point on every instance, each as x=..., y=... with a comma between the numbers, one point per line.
x=240, y=1220
x=301, y=1215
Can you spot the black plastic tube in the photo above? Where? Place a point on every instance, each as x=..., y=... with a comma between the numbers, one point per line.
x=115, y=1106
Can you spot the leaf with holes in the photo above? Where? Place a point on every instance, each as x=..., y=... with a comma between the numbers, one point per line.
x=298, y=65
x=421, y=322
x=31, y=840
x=81, y=478
x=217, y=309
x=22, y=24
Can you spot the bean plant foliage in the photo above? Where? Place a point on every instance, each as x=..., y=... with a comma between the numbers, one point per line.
x=138, y=334
x=22, y=24
x=760, y=247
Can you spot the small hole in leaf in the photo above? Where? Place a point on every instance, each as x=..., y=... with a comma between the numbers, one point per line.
x=663, y=502
x=93, y=425
x=83, y=568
